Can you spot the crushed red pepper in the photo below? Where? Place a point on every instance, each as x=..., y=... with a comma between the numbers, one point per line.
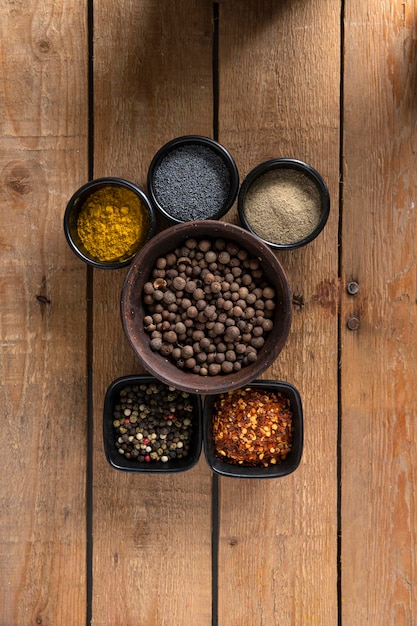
x=252, y=427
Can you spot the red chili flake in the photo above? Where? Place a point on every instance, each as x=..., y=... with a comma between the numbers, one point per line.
x=252, y=427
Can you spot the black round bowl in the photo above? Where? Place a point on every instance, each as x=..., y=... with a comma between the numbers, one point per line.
x=301, y=170
x=73, y=210
x=192, y=177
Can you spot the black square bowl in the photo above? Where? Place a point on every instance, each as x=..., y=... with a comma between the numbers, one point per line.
x=119, y=461
x=290, y=463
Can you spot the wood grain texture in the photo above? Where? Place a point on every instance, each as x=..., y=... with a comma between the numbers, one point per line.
x=43, y=128
x=279, y=96
x=379, y=398
x=152, y=534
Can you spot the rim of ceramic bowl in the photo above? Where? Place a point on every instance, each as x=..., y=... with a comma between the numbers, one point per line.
x=199, y=140
x=286, y=163
x=74, y=206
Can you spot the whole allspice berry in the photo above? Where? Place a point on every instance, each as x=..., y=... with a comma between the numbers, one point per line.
x=208, y=307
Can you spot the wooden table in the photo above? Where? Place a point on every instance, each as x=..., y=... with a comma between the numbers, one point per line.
x=91, y=89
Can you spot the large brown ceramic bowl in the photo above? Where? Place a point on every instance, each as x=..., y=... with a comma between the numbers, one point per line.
x=133, y=309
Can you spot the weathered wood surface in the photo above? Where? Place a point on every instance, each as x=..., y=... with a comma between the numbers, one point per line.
x=378, y=361
x=82, y=543
x=43, y=157
x=153, y=532
x=279, y=97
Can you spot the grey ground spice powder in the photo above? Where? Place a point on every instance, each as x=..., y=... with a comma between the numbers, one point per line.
x=283, y=206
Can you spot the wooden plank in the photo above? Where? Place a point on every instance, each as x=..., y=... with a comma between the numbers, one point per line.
x=152, y=534
x=379, y=398
x=43, y=157
x=279, y=97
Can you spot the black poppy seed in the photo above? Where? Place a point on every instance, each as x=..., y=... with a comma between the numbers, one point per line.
x=191, y=182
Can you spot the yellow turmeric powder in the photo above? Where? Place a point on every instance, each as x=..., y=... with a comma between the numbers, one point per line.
x=112, y=223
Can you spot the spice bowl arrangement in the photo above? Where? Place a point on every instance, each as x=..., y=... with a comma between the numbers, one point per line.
x=107, y=221
x=255, y=431
x=149, y=427
x=191, y=178
x=206, y=306
x=285, y=202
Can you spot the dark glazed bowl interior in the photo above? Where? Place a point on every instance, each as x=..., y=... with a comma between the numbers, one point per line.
x=133, y=310
x=194, y=140
x=73, y=210
x=294, y=164
x=287, y=466
x=118, y=461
